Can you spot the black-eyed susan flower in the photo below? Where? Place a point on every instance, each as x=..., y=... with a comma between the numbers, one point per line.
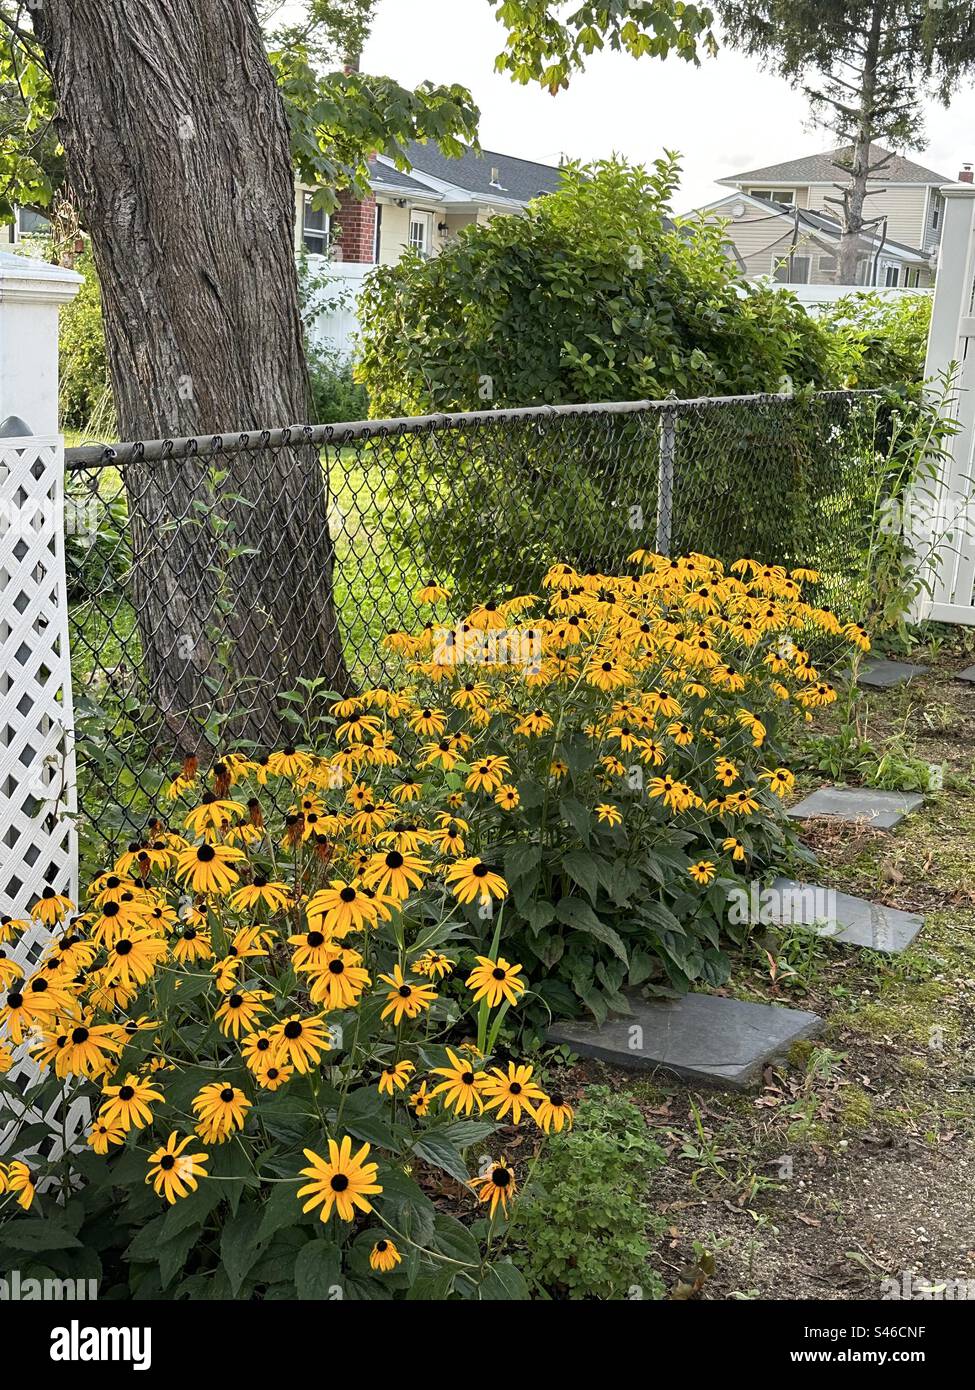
x=274, y=1077
x=191, y=945
x=208, y=868
x=507, y=797
x=343, y=1182
x=406, y=998
x=496, y=1184
x=733, y=846
x=462, y=1086
x=133, y=958
x=554, y=1112
x=433, y=965
x=780, y=780
x=90, y=1047
x=487, y=774
x=497, y=981
x=341, y=908
x=172, y=1172
x=340, y=984
x=103, y=1135
x=384, y=1256
x=300, y=1042
x=276, y=897
x=240, y=1011
x=289, y=762
x=130, y=1103
x=212, y=814
x=703, y=871
x=221, y=1109
x=608, y=814
x=511, y=1090
x=395, y=1077
x=17, y=1177
x=420, y=1100
x=51, y=906
x=395, y=873
x=471, y=880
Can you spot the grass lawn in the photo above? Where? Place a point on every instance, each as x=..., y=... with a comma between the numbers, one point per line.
x=875, y=1120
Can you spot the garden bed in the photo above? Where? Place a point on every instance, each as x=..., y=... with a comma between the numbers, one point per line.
x=878, y=1115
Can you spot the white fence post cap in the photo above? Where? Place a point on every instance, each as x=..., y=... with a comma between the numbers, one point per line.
x=24, y=280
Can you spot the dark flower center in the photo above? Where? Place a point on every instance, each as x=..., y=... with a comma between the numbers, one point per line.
x=339, y=1182
x=292, y=1031
x=206, y=853
x=126, y=1093
x=227, y=1095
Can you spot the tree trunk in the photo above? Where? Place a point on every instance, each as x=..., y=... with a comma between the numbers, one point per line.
x=855, y=193
x=178, y=155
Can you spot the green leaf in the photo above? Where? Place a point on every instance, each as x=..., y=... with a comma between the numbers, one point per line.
x=318, y=1271
x=576, y=815
x=37, y=1233
x=438, y=1150
x=580, y=916
x=582, y=869
x=503, y=1283
x=239, y=1248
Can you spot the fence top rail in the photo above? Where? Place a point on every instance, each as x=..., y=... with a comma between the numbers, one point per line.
x=160, y=450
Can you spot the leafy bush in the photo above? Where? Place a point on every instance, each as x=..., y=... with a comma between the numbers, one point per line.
x=582, y=1229
x=85, y=389
x=593, y=295
x=878, y=341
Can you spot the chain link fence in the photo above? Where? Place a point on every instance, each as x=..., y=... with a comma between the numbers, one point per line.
x=209, y=577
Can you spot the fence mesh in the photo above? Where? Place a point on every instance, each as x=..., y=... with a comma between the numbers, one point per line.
x=210, y=577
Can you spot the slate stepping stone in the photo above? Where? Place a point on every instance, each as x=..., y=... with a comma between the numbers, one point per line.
x=880, y=674
x=701, y=1038
x=839, y=916
x=858, y=805
x=967, y=675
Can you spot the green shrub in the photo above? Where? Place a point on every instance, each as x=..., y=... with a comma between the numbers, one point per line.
x=593, y=295
x=86, y=393
x=879, y=342
x=583, y=1224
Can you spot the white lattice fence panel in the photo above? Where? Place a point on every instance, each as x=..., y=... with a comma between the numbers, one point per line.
x=38, y=845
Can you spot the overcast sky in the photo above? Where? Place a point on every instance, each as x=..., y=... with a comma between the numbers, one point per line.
x=724, y=117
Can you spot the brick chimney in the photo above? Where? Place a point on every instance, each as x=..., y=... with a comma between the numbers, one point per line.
x=967, y=174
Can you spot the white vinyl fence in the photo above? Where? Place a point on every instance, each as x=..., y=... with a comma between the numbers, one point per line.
x=946, y=520
x=337, y=325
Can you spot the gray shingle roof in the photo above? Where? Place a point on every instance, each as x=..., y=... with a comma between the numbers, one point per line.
x=520, y=179
x=822, y=222
x=388, y=173
x=821, y=168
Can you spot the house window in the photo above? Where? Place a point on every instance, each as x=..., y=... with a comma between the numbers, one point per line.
x=32, y=223
x=314, y=227
x=774, y=195
x=935, y=211
x=892, y=274
x=828, y=265
x=421, y=231
x=792, y=270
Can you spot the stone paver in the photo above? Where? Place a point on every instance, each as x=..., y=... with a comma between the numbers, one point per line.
x=880, y=674
x=701, y=1038
x=967, y=675
x=839, y=916
x=882, y=810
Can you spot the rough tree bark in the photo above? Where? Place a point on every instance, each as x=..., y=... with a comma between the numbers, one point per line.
x=178, y=155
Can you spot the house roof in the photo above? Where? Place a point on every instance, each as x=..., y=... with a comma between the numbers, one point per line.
x=822, y=168
x=820, y=223
x=387, y=175
x=519, y=180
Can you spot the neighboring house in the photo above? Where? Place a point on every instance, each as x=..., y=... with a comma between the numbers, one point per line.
x=783, y=220
x=25, y=223
x=423, y=208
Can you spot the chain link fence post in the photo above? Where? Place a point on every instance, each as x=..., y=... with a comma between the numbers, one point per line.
x=665, y=479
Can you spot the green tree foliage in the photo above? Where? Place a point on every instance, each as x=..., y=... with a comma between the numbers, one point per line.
x=594, y=295
x=865, y=66
x=339, y=116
